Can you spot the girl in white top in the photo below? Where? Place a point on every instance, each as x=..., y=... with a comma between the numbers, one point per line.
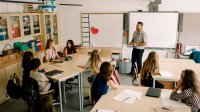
x=42, y=80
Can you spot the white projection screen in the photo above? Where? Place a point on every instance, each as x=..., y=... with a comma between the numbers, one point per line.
x=160, y=27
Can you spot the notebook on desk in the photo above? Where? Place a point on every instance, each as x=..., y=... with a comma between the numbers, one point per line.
x=53, y=73
x=153, y=92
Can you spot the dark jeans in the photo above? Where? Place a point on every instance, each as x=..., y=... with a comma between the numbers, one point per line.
x=149, y=83
x=137, y=57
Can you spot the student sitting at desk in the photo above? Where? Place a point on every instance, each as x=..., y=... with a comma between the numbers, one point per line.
x=150, y=67
x=70, y=48
x=51, y=52
x=103, y=80
x=26, y=64
x=190, y=93
x=43, y=82
x=93, y=65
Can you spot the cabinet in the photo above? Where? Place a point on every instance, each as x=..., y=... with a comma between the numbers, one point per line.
x=2, y=85
x=27, y=25
x=4, y=35
x=20, y=69
x=15, y=26
x=39, y=25
x=50, y=28
x=125, y=67
x=5, y=74
x=36, y=24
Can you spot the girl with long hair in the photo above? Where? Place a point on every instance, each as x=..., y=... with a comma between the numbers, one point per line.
x=70, y=48
x=93, y=65
x=103, y=81
x=26, y=64
x=150, y=67
x=51, y=52
x=190, y=93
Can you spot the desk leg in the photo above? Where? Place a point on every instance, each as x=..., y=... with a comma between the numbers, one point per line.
x=60, y=95
x=80, y=91
x=63, y=92
x=154, y=81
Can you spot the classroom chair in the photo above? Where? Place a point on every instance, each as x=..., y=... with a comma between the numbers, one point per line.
x=106, y=53
x=70, y=82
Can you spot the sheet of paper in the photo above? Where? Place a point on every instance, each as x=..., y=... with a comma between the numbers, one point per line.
x=166, y=93
x=105, y=110
x=166, y=74
x=168, y=102
x=128, y=96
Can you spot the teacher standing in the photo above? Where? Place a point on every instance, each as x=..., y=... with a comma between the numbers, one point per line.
x=138, y=42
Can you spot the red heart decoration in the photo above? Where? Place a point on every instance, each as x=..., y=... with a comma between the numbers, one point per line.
x=94, y=30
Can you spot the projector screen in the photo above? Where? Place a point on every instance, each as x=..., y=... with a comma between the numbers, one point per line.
x=161, y=28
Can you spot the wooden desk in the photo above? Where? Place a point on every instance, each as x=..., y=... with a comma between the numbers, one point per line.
x=70, y=69
x=145, y=104
x=177, y=60
x=176, y=66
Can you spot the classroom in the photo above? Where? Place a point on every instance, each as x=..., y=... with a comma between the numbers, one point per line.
x=99, y=56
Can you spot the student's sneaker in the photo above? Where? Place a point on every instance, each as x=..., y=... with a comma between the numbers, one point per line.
x=134, y=82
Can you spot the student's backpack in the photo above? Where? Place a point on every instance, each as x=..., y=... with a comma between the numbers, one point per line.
x=30, y=92
x=13, y=87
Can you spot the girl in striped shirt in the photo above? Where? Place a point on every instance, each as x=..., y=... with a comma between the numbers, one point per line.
x=188, y=84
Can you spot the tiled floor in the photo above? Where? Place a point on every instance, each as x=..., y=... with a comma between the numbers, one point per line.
x=72, y=104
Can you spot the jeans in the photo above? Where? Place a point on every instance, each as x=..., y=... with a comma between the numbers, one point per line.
x=137, y=57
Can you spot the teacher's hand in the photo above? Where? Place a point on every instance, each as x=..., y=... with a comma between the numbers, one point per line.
x=130, y=43
x=134, y=44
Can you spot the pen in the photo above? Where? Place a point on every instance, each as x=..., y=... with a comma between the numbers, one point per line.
x=126, y=98
x=165, y=108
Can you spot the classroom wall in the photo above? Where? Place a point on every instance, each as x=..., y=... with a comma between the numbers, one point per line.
x=70, y=16
x=191, y=34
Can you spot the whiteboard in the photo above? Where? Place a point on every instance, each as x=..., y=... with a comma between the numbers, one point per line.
x=110, y=30
x=161, y=28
